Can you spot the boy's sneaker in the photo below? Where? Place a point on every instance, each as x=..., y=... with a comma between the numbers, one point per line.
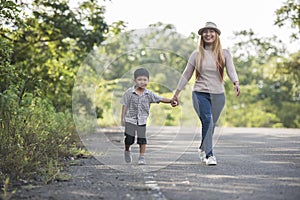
x=127, y=156
x=211, y=160
x=202, y=155
x=141, y=160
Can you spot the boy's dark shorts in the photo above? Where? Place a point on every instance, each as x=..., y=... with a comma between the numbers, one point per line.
x=131, y=129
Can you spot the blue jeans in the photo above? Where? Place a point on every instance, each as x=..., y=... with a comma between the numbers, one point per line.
x=208, y=108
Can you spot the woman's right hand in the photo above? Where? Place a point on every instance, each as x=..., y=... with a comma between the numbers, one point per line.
x=174, y=101
x=175, y=98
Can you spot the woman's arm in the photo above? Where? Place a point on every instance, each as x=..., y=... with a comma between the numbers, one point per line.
x=185, y=77
x=231, y=72
x=230, y=68
x=188, y=71
x=175, y=98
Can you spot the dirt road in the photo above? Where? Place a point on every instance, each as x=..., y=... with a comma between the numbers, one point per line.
x=257, y=163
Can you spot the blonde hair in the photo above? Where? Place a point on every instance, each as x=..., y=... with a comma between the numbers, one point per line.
x=217, y=53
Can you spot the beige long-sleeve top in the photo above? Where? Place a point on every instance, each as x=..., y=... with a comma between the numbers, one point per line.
x=209, y=80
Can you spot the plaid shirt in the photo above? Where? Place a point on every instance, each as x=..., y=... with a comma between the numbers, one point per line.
x=138, y=107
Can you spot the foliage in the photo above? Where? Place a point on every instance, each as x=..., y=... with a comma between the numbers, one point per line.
x=6, y=193
x=41, y=50
x=289, y=14
x=288, y=70
x=269, y=83
x=52, y=44
x=30, y=137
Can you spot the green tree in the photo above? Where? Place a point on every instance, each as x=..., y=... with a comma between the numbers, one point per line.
x=268, y=75
x=41, y=52
x=288, y=15
x=51, y=45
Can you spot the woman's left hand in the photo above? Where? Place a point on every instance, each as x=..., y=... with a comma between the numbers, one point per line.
x=237, y=88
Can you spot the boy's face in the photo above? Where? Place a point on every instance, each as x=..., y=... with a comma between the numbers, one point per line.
x=141, y=81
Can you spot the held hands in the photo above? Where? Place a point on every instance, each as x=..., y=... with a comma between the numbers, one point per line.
x=174, y=101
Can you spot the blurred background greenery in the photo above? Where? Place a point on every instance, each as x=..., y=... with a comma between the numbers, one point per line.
x=44, y=45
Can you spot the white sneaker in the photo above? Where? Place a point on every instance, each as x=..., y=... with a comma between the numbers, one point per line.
x=211, y=160
x=127, y=156
x=202, y=155
x=142, y=160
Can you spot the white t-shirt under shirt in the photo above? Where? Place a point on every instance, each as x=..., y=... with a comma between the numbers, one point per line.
x=210, y=80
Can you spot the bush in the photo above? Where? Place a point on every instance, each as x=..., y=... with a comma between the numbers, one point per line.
x=33, y=136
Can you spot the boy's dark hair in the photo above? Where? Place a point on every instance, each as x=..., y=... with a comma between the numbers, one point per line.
x=141, y=72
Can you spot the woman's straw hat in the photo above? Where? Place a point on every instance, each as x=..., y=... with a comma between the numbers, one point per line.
x=210, y=25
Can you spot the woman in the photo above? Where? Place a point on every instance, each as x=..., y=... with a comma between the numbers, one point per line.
x=208, y=62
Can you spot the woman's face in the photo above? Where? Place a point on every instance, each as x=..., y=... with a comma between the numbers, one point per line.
x=209, y=36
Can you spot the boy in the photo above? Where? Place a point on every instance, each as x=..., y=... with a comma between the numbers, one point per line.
x=135, y=111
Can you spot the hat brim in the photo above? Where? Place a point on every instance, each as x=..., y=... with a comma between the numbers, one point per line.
x=215, y=29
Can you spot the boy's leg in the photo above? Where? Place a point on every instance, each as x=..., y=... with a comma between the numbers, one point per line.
x=129, y=135
x=141, y=138
x=129, y=140
x=142, y=141
x=142, y=149
x=127, y=147
x=142, y=160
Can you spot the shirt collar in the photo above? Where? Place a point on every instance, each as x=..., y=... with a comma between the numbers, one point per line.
x=146, y=91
